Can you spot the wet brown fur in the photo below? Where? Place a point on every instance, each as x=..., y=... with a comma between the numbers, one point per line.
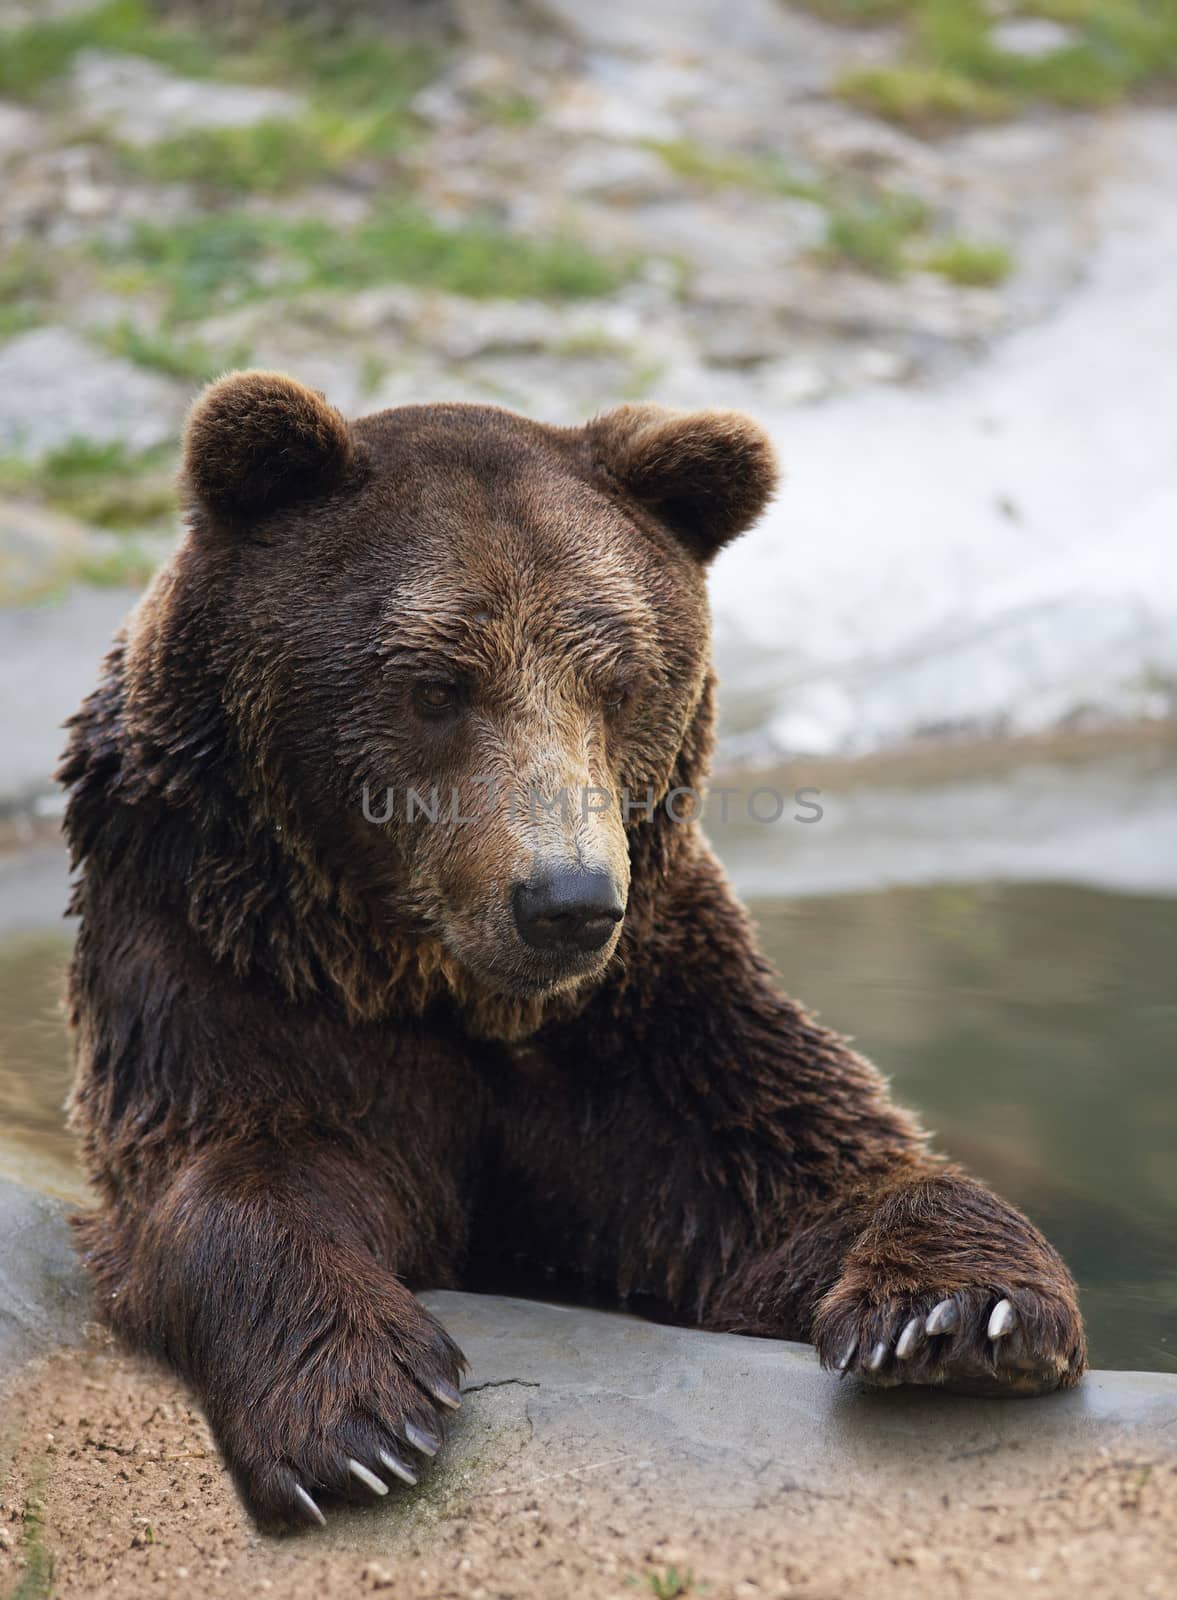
x=310, y=1069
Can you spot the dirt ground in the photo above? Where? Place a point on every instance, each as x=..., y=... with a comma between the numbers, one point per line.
x=112, y=1488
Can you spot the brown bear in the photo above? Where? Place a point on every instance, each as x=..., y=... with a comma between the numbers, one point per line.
x=331, y=1045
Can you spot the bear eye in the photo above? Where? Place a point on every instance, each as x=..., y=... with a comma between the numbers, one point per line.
x=434, y=698
x=617, y=697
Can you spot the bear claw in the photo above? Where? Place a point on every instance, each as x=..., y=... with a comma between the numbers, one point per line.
x=309, y=1505
x=367, y=1478
x=942, y=1318
x=397, y=1467
x=975, y=1341
x=445, y=1394
x=420, y=1439
x=877, y=1356
x=1004, y=1320
x=910, y=1339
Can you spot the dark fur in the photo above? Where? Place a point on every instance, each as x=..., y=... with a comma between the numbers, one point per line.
x=257, y=445
x=311, y=1067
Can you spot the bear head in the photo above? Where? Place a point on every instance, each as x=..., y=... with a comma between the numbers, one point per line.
x=454, y=658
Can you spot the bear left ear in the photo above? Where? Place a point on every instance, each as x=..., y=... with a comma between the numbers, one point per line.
x=259, y=441
x=707, y=474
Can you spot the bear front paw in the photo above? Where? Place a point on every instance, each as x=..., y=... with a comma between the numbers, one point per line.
x=349, y=1417
x=981, y=1340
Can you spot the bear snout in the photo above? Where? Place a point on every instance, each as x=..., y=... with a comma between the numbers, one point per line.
x=567, y=911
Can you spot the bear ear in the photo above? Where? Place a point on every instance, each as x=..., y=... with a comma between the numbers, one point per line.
x=259, y=441
x=707, y=474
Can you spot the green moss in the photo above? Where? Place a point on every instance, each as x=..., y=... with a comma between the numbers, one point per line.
x=859, y=12
x=373, y=371
x=36, y=1581
x=199, y=265
x=873, y=234
x=210, y=263
x=368, y=83
x=952, y=70
x=103, y=484
x=269, y=157
x=26, y=287
x=587, y=343
x=976, y=266
x=129, y=565
x=722, y=169
x=643, y=379
x=360, y=89
x=402, y=244
x=671, y=1584
x=162, y=351
x=33, y=55
x=510, y=110
x=921, y=97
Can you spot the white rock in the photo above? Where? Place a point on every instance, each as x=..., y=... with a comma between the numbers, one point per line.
x=1032, y=37
x=616, y=172
x=887, y=592
x=20, y=129
x=142, y=103
x=734, y=237
x=54, y=387
x=596, y=110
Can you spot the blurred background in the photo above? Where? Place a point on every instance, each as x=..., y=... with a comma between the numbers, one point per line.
x=929, y=243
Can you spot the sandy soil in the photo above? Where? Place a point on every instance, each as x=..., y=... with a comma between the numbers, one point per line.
x=112, y=1487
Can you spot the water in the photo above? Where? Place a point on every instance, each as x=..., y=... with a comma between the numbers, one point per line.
x=1035, y=1028
x=1033, y=1025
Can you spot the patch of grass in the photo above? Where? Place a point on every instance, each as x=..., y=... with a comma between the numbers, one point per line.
x=37, y=1579
x=26, y=287
x=954, y=72
x=162, y=351
x=855, y=13
x=361, y=88
x=587, y=343
x=31, y=56
x=874, y=233
x=721, y=169
x=642, y=380
x=129, y=565
x=200, y=265
x=671, y=1584
x=103, y=484
x=922, y=97
x=974, y=266
x=372, y=82
x=373, y=371
x=479, y=259
x=510, y=109
x=269, y=157
x=210, y=263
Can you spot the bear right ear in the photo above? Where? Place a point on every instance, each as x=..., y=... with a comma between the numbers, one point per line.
x=706, y=474
x=259, y=441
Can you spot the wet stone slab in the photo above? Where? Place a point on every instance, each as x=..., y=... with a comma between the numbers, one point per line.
x=43, y=1300
x=674, y=1415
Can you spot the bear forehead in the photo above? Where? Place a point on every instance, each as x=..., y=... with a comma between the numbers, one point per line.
x=497, y=488
x=476, y=521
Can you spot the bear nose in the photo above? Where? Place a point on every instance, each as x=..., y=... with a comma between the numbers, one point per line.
x=567, y=910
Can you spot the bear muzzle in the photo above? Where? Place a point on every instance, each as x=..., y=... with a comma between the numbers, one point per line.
x=568, y=912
